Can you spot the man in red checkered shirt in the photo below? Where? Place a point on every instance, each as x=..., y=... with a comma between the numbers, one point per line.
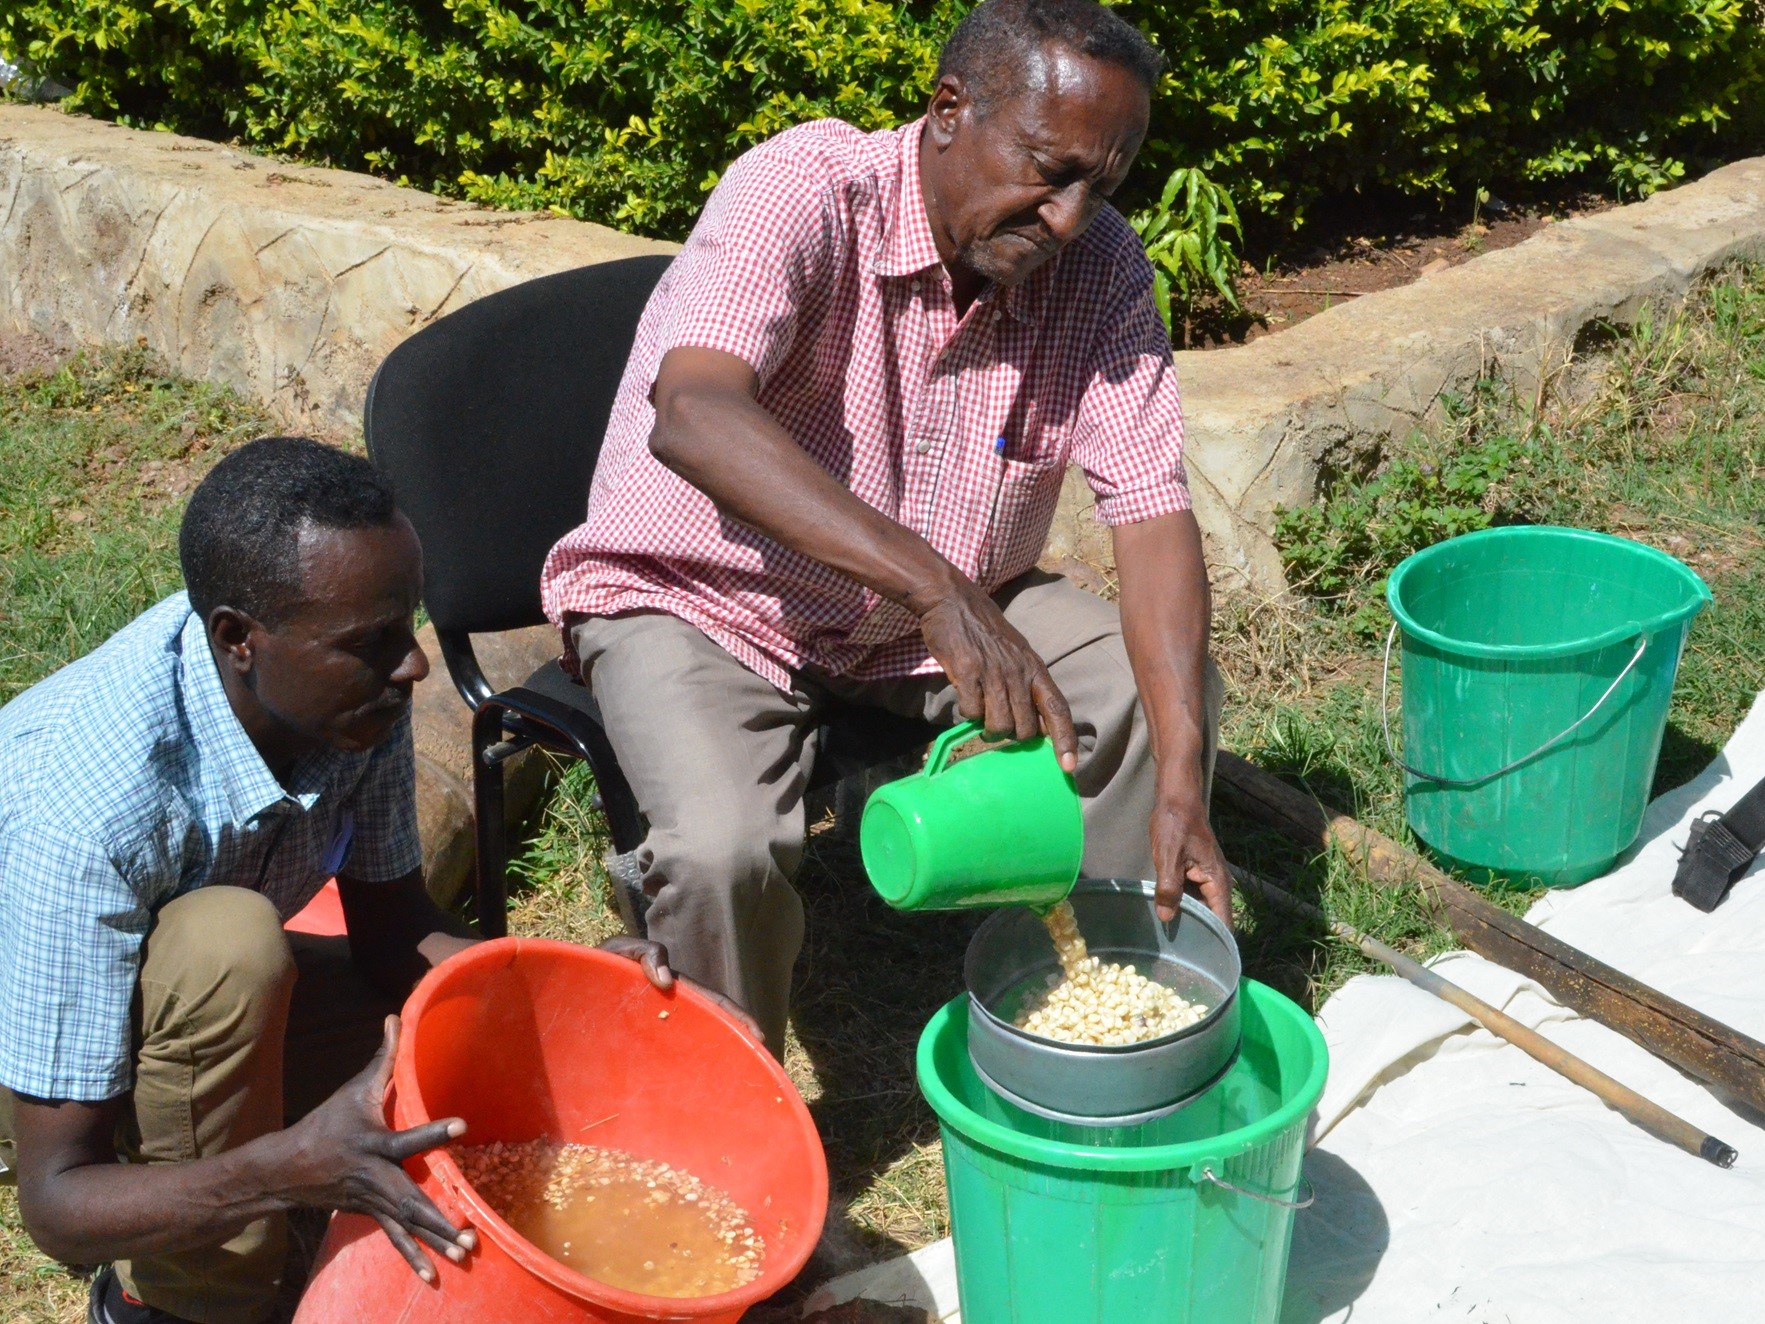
x=834, y=460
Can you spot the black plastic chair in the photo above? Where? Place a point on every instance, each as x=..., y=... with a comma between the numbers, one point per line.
x=489, y=423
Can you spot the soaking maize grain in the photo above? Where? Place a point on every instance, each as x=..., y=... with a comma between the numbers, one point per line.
x=634, y=1223
x=1096, y=1002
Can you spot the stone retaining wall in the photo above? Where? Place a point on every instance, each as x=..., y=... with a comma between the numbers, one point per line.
x=288, y=283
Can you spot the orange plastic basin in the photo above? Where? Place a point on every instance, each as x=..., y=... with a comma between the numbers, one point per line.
x=525, y=1038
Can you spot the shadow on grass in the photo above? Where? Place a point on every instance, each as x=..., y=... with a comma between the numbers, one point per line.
x=1683, y=757
x=1278, y=948
x=866, y=984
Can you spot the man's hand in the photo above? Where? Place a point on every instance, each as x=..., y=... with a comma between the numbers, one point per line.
x=999, y=679
x=653, y=956
x=345, y=1157
x=1186, y=856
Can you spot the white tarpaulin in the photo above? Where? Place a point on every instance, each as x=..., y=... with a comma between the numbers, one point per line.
x=1458, y=1180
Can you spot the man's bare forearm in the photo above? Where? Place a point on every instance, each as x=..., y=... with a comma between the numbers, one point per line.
x=105, y=1210
x=1166, y=610
x=81, y=1206
x=396, y=933
x=711, y=432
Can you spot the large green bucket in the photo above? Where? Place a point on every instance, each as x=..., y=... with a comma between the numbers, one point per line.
x=1538, y=664
x=1185, y=1220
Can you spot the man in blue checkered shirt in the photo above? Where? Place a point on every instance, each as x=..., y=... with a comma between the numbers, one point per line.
x=166, y=803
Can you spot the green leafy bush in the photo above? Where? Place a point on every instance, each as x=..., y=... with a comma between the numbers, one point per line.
x=1471, y=477
x=1317, y=96
x=626, y=110
x=623, y=111
x=1182, y=231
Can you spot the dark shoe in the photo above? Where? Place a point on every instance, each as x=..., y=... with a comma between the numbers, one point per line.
x=109, y=1304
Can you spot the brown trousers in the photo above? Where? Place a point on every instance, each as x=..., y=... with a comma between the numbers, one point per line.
x=240, y=1028
x=719, y=760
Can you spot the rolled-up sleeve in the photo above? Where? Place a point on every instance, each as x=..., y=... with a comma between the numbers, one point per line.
x=753, y=261
x=383, y=812
x=71, y=929
x=1129, y=435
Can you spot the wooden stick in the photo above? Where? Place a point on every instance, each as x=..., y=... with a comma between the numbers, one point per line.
x=1693, y=1042
x=1616, y=1095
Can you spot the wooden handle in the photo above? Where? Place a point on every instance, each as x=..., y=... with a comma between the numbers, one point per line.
x=1645, y=1113
x=1695, y=1043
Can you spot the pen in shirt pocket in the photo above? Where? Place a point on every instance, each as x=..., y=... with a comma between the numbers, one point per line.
x=989, y=553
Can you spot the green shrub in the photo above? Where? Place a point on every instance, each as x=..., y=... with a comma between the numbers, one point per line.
x=1182, y=231
x=625, y=111
x=1319, y=96
x=1472, y=476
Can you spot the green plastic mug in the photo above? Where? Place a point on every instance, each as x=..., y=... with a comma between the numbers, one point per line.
x=1000, y=828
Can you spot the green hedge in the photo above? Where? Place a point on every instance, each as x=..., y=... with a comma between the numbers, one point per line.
x=626, y=110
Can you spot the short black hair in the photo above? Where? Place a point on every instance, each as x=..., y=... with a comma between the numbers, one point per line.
x=992, y=49
x=239, y=544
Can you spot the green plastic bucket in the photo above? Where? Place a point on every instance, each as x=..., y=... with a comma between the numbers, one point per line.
x=1538, y=665
x=1185, y=1220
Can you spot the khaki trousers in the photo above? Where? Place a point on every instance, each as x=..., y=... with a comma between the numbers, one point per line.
x=719, y=760
x=229, y=1008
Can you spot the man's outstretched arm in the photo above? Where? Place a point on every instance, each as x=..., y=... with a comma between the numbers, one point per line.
x=83, y=1207
x=1167, y=612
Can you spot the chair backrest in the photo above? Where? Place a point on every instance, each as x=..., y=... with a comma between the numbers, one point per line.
x=489, y=423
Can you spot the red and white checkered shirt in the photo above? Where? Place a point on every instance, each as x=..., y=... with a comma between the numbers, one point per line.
x=814, y=263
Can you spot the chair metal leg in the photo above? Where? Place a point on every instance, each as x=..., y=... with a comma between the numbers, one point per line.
x=491, y=830
x=505, y=724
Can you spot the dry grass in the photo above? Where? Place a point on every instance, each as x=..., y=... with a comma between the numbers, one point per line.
x=33, y=1288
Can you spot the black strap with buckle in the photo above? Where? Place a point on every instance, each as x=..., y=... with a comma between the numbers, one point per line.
x=1720, y=849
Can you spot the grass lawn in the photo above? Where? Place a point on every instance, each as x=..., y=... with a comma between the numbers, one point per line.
x=1659, y=435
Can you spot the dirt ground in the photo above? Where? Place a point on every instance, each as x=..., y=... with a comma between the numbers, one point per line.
x=1359, y=256
x=26, y=355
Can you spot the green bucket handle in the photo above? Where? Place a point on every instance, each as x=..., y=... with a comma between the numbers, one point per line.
x=1642, y=645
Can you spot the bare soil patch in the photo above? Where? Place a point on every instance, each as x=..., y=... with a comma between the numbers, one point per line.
x=24, y=355
x=1360, y=255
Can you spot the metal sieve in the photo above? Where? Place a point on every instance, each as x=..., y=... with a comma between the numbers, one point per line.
x=1010, y=959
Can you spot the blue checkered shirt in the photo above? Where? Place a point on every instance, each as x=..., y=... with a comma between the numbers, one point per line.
x=126, y=781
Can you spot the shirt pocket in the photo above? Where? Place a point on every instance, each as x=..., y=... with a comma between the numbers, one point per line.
x=1024, y=497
